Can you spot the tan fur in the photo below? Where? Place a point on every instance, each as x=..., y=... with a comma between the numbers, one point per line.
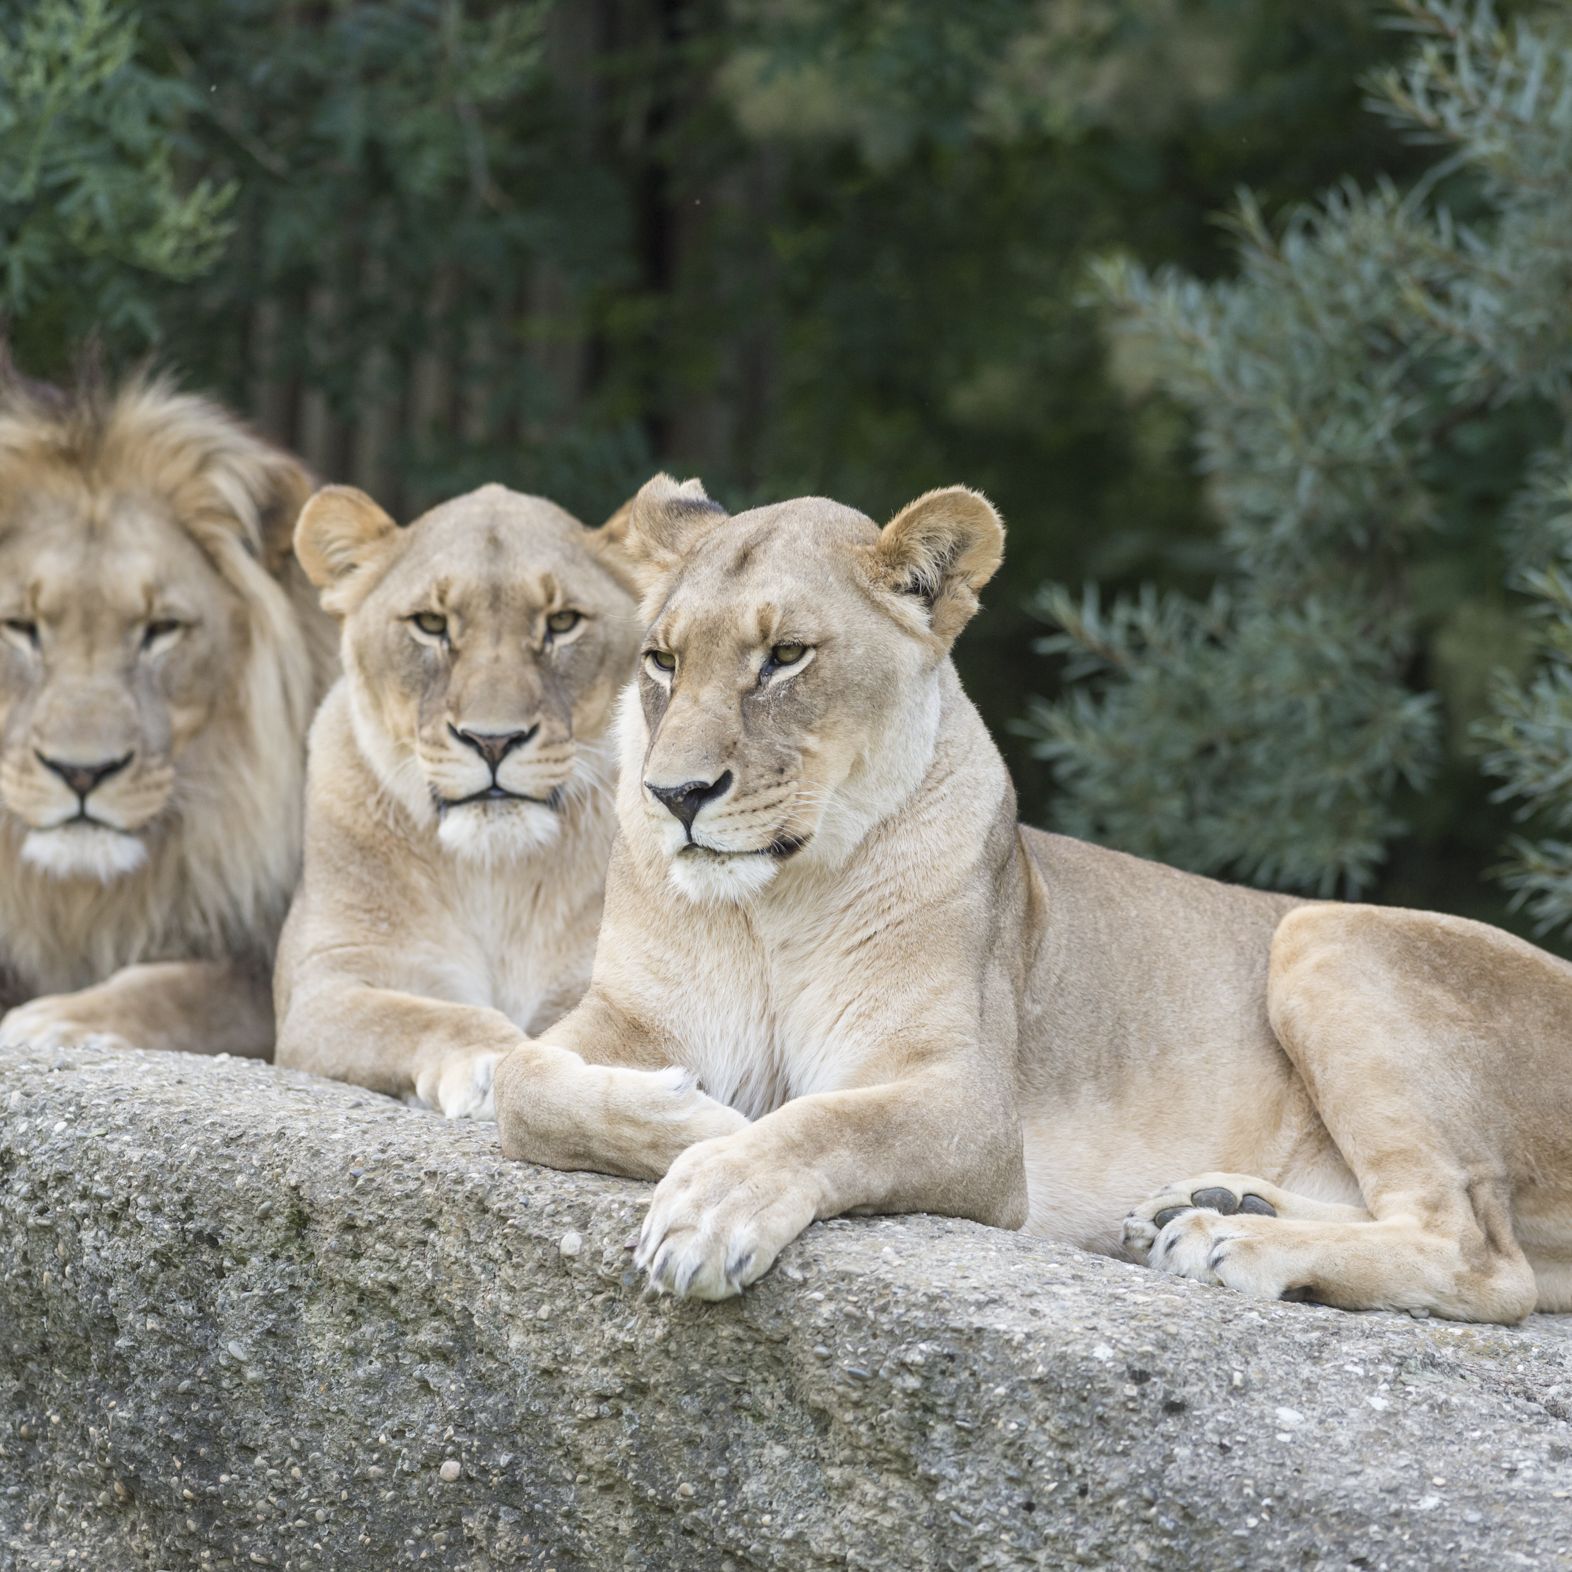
x=120, y=513
x=427, y=939
x=898, y=999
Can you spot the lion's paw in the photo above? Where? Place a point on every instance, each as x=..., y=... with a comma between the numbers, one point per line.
x=1228, y=1252
x=718, y=1220
x=460, y=1086
x=55, y=1021
x=1224, y=1195
x=676, y=1096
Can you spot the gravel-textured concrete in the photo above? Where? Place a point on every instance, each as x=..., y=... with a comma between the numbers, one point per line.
x=249, y=1319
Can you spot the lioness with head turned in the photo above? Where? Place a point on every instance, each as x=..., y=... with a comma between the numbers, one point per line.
x=160, y=657
x=458, y=807
x=898, y=999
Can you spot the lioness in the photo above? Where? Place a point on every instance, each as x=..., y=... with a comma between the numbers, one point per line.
x=160, y=657
x=821, y=903
x=458, y=804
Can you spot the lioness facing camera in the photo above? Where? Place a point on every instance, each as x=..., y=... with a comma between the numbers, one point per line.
x=898, y=999
x=161, y=654
x=458, y=804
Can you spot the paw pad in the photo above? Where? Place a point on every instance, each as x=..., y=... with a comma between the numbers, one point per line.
x=1216, y=1199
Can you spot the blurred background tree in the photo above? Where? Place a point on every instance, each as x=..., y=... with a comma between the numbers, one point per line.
x=1381, y=399
x=843, y=246
x=92, y=208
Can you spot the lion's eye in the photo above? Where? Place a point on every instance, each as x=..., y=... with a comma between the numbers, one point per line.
x=162, y=630
x=22, y=630
x=662, y=660
x=563, y=621
x=432, y=623
x=788, y=654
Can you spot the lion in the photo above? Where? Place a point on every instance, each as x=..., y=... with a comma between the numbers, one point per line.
x=897, y=999
x=161, y=654
x=458, y=807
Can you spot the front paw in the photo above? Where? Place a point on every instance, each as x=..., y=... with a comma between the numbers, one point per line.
x=553, y=1108
x=56, y=1021
x=675, y=1097
x=459, y=1086
x=719, y=1219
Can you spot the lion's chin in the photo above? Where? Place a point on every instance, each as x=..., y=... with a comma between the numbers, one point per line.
x=484, y=832
x=709, y=879
x=84, y=851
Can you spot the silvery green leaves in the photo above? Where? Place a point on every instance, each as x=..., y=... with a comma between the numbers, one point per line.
x=1377, y=397
x=1262, y=742
x=93, y=197
x=1528, y=738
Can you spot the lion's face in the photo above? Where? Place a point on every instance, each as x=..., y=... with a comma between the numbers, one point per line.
x=117, y=639
x=131, y=534
x=788, y=693
x=484, y=646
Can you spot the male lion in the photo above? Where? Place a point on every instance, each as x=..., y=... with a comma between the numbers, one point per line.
x=458, y=805
x=821, y=903
x=160, y=657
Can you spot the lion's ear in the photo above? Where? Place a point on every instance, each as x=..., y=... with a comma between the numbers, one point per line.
x=941, y=550
x=609, y=546
x=341, y=535
x=663, y=523
x=286, y=488
x=614, y=532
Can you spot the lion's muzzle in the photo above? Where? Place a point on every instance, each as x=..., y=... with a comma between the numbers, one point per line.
x=684, y=801
x=83, y=779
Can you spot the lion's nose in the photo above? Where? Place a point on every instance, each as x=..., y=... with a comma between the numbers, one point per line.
x=494, y=746
x=84, y=778
x=684, y=801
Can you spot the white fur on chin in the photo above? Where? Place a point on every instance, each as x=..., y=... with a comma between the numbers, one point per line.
x=84, y=851
x=714, y=880
x=500, y=832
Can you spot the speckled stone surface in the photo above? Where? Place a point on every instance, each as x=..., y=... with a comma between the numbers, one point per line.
x=250, y=1319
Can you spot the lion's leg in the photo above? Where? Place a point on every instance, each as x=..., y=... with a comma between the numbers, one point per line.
x=1405, y=1030
x=1229, y=1195
x=594, y=1092
x=1384, y=1263
x=185, y=1006
x=727, y=1208
x=1243, y=1232
x=433, y=1051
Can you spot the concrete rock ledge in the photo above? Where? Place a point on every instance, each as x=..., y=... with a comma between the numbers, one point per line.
x=251, y=1319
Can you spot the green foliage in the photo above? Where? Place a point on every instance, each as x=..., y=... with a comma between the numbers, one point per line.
x=892, y=75
x=95, y=198
x=1368, y=393
x=338, y=211
x=795, y=245
x=1529, y=737
x=1185, y=733
x=402, y=170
